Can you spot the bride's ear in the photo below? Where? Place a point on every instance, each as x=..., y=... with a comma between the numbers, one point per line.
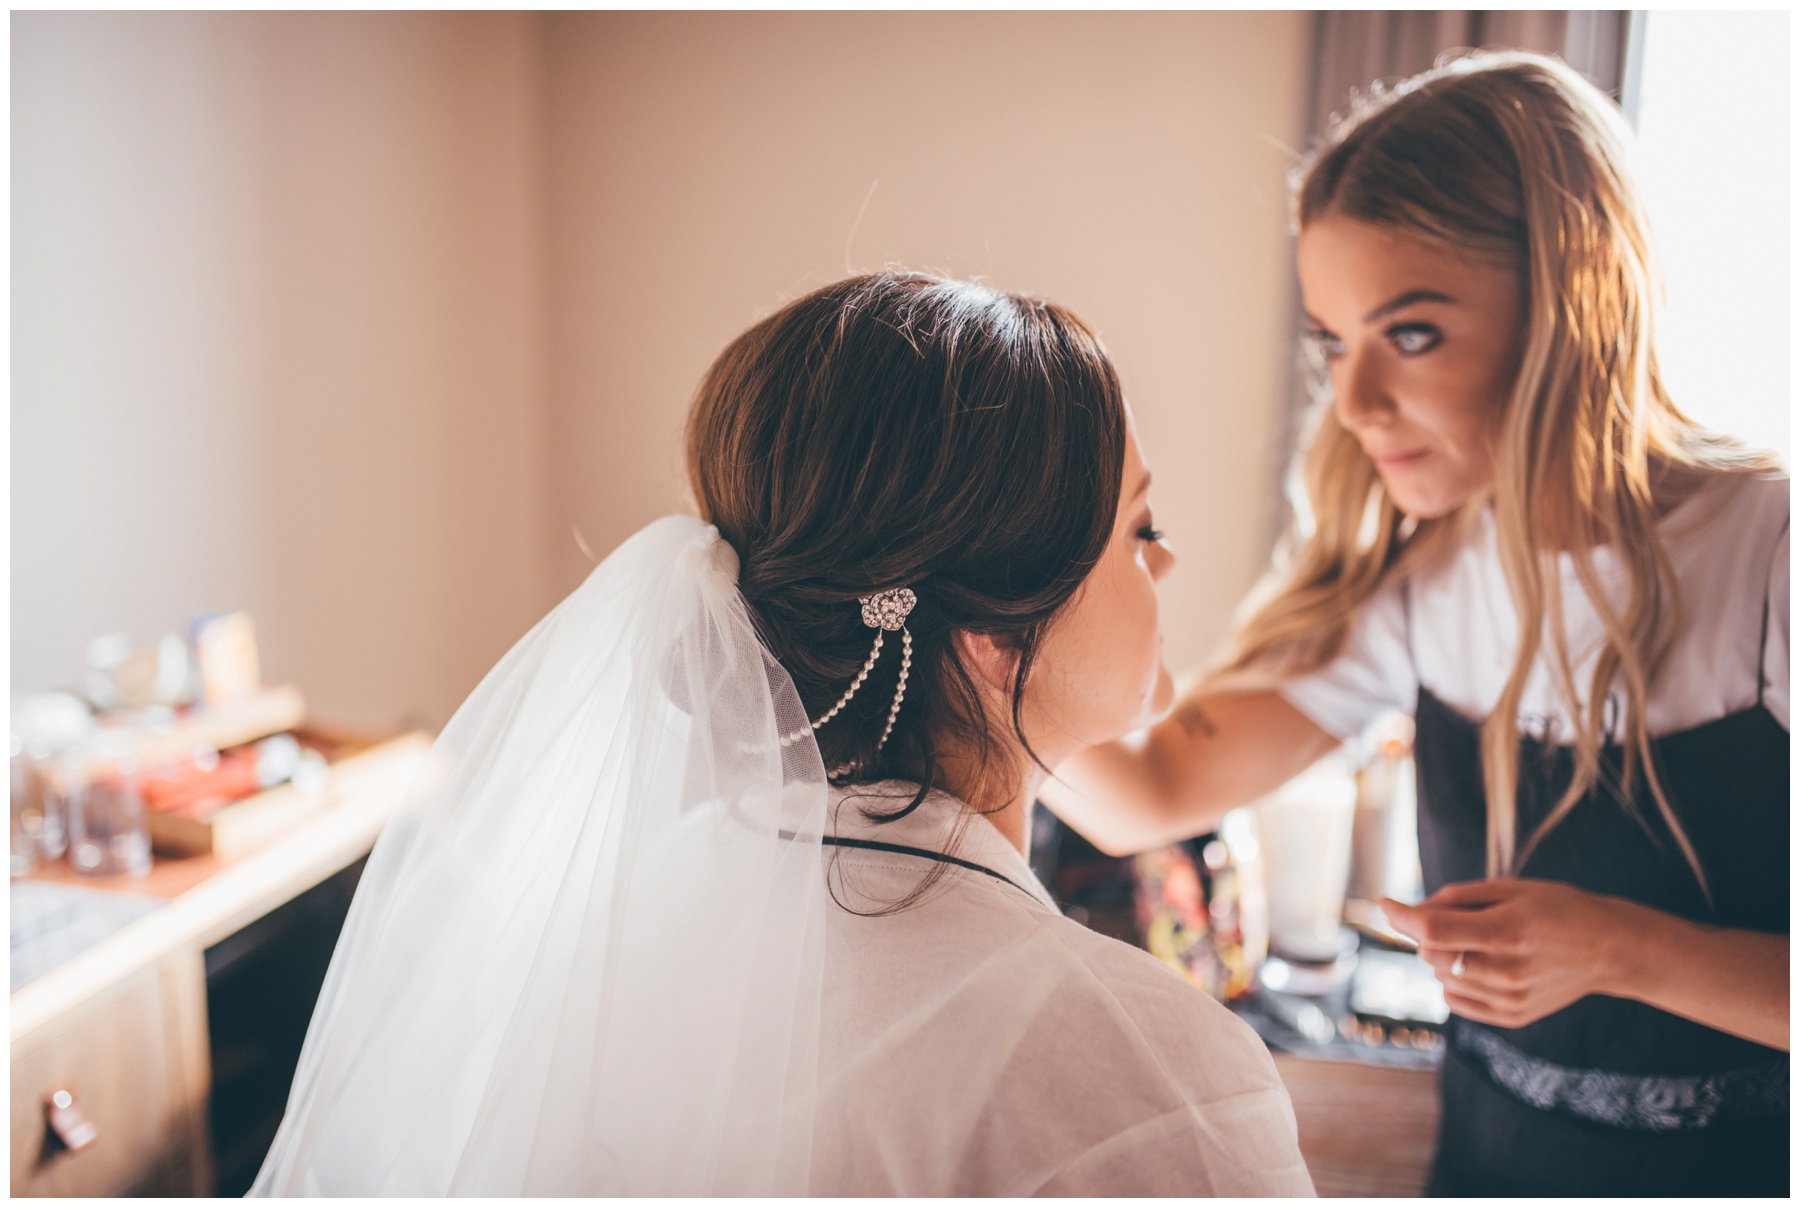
x=989, y=657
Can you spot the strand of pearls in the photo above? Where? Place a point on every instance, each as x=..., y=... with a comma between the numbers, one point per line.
x=788, y=740
x=899, y=692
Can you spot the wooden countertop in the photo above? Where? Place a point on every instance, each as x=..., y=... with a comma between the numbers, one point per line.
x=210, y=898
x=1365, y=1130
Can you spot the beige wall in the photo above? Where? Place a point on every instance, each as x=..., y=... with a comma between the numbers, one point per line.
x=278, y=343
x=136, y=326
x=407, y=445
x=351, y=318
x=705, y=169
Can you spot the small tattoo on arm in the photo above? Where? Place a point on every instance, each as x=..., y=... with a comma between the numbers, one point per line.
x=1194, y=720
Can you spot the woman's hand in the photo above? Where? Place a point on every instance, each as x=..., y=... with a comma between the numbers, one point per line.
x=1511, y=951
x=1528, y=948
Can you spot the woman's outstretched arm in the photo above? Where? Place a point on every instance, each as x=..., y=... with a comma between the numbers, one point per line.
x=1213, y=752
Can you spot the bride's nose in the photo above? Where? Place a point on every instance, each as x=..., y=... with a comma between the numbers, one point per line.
x=1160, y=559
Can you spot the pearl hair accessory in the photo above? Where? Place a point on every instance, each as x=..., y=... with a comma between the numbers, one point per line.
x=885, y=610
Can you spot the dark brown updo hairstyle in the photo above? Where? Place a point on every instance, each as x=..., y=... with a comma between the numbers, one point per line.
x=903, y=430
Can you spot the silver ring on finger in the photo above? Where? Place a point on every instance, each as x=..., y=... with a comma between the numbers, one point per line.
x=1459, y=966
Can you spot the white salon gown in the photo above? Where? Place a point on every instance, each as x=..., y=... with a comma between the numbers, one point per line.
x=979, y=1043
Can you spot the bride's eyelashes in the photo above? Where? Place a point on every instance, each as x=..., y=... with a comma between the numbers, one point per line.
x=1150, y=533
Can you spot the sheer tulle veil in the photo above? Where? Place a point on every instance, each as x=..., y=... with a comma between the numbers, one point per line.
x=586, y=956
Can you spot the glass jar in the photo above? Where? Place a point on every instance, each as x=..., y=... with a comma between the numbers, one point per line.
x=47, y=730
x=24, y=850
x=108, y=834
x=39, y=803
x=1305, y=827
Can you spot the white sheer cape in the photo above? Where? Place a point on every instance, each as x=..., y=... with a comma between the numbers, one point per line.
x=586, y=957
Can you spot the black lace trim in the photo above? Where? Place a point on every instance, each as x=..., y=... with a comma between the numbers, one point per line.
x=1635, y=1102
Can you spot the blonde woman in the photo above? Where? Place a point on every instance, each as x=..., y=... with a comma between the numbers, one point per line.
x=1510, y=530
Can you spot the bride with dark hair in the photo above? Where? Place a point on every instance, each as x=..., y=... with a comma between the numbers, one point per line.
x=720, y=886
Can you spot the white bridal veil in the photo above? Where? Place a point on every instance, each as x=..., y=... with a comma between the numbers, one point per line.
x=586, y=957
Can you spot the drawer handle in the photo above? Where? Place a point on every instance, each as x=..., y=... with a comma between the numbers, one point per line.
x=68, y=1123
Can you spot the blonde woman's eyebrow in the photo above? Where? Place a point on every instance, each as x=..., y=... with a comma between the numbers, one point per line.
x=1404, y=300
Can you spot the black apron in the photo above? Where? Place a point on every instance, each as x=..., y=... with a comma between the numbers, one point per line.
x=1610, y=1096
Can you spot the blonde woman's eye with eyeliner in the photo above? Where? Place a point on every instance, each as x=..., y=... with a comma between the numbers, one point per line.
x=1410, y=339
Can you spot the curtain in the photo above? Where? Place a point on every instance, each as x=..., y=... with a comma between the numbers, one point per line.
x=1351, y=49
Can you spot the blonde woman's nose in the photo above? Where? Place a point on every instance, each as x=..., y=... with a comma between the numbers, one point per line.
x=1358, y=394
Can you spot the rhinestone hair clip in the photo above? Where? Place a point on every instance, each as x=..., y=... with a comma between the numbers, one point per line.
x=884, y=612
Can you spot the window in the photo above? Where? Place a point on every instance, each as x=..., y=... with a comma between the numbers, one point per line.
x=1712, y=118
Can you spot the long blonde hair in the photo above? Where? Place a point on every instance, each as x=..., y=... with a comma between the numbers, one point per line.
x=1514, y=158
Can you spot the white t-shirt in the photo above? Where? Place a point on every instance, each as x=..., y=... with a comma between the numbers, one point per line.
x=982, y=1044
x=1728, y=545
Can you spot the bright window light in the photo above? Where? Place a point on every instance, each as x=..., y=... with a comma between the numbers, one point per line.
x=1713, y=163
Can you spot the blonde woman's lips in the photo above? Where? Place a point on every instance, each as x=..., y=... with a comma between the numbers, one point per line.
x=1396, y=461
